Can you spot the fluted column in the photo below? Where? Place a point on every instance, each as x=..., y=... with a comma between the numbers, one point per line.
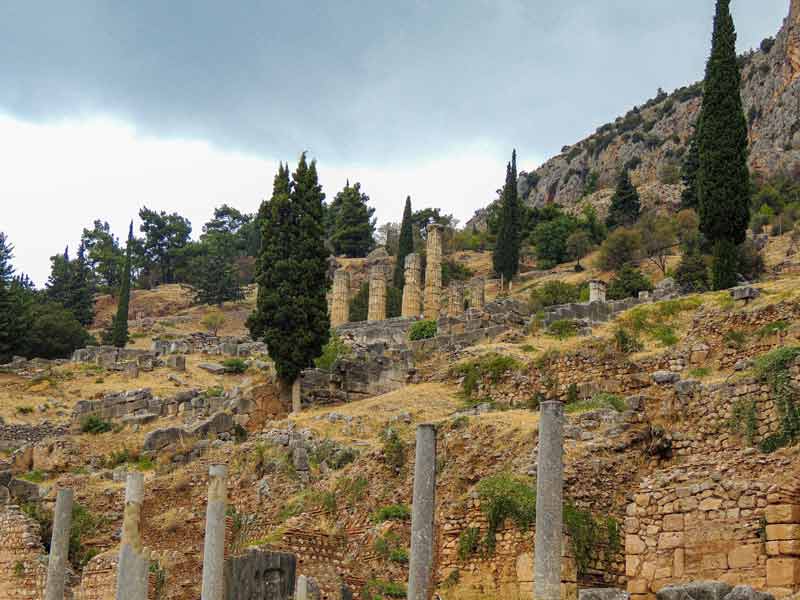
x=340, y=303
x=377, y=294
x=132, y=570
x=412, y=292
x=477, y=293
x=455, y=306
x=433, y=272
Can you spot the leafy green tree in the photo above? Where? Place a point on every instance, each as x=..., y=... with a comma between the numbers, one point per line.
x=625, y=204
x=354, y=225
x=291, y=313
x=659, y=239
x=723, y=179
x=82, y=289
x=165, y=237
x=550, y=239
x=505, y=259
x=213, y=276
x=104, y=255
x=691, y=164
x=232, y=232
x=117, y=334
x=13, y=316
x=627, y=282
x=59, y=283
x=578, y=245
x=405, y=245
x=54, y=331
x=621, y=247
x=591, y=223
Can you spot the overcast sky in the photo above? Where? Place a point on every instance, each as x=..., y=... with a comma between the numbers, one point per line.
x=106, y=107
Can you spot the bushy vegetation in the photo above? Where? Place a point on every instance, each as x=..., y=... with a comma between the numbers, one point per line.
x=422, y=330
x=235, y=365
x=84, y=524
x=628, y=282
x=657, y=320
x=490, y=366
x=334, y=350
x=773, y=367
x=553, y=293
x=597, y=401
x=563, y=329
x=506, y=496
x=394, y=512
x=394, y=449
x=95, y=425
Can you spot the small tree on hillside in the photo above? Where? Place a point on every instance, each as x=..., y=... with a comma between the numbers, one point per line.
x=353, y=226
x=689, y=175
x=578, y=245
x=505, y=259
x=625, y=204
x=405, y=245
x=723, y=178
x=658, y=239
x=117, y=334
x=622, y=246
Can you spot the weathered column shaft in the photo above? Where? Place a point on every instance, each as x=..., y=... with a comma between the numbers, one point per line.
x=297, y=396
x=214, y=545
x=340, y=305
x=433, y=272
x=549, y=502
x=455, y=307
x=420, y=569
x=412, y=292
x=597, y=291
x=59, y=546
x=132, y=569
x=377, y=294
x=477, y=293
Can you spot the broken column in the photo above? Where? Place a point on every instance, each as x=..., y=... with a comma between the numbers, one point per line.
x=214, y=546
x=420, y=568
x=297, y=396
x=455, y=306
x=132, y=572
x=377, y=294
x=433, y=272
x=477, y=293
x=412, y=292
x=340, y=305
x=59, y=546
x=549, y=502
x=597, y=291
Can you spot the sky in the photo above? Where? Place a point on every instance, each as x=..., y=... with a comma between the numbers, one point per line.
x=109, y=106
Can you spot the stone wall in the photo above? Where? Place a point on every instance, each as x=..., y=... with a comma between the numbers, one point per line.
x=205, y=343
x=259, y=575
x=111, y=357
x=22, y=572
x=99, y=579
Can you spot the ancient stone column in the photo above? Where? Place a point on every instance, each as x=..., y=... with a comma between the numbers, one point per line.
x=597, y=291
x=377, y=294
x=297, y=398
x=477, y=293
x=340, y=306
x=133, y=565
x=455, y=307
x=412, y=292
x=420, y=568
x=59, y=546
x=214, y=546
x=549, y=502
x=433, y=272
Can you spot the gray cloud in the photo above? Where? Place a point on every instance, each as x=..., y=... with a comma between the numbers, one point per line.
x=367, y=81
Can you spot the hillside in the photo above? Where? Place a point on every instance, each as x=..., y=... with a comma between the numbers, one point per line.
x=652, y=138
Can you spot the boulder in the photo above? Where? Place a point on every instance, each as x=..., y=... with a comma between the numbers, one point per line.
x=699, y=590
x=745, y=293
x=213, y=368
x=23, y=491
x=176, y=362
x=745, y=592
x=663, y=377
x=220, y=422
x=603, y=594
x=159, y=438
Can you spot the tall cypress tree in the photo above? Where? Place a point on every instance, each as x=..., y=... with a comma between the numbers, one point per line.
x=11, y=322
x=292, y=310
x=505, y=259
x=117, y=335
x=723, y=179
x=81, y=294
x=353, y=227
x=59, y=282
x=689, y=175
x=405, y=246
x=625, y=204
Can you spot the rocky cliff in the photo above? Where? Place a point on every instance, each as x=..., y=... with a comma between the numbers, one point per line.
x=652, y=139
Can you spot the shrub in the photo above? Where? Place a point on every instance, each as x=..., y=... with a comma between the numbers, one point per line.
x=83, y=524
x=751, y=262
x=468, y=542
x=735, y=338
x=395, y=512
x=54, y=332
x=597, y=401
x=505, y=496
x=622, y=246
x=692, y=273
x=95, y=425
x=331, y=352
x=626, y=342
x=422, y=330
x=213, y=321
x=627, y=282
x=394, y=449
x=454, y=271
x=377, y=589
x=563, y=329
x=550, y=239
x=492, y=366
x=235, y=365
x=553, y=293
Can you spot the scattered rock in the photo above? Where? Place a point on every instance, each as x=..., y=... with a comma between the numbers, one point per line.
x=663, y=377
x=214, y=368
x=700, y=590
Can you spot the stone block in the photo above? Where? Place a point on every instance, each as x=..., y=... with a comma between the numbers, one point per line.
x=634, y=545
x=783, y=532
x=673, y=522
x=701, y=590
x=783, y=572
x=603, y=594
x=744, y=556
x=790, y=547
x=782, y=513
x=637, y=586
x=669, y=540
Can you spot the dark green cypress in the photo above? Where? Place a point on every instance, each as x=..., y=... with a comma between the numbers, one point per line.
x=12, y=323
x=625, y=204
x=723, y=178
x=118, y=334
x=689, y=175
x=353, y=227
x=505, y=258
x=405, y=245
x=292, y=311
x=82, y=289
x=60, y=280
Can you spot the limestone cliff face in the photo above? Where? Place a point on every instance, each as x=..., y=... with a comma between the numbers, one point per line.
x=652, y=139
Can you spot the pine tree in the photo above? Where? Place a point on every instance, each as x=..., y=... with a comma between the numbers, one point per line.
x=10, y=319
x=625, y=204
x=353, y=227
x=405, y=245
x=505, y=259
x=292, y=311
x=59, y=283
x=214, y=277
x=82, y=287
x=117, y=335
x=723, y=179
x=689, y=175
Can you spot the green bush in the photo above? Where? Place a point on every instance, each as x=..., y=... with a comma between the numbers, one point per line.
x=394, y=449
x=627, y=282
x=95, y=425
x=331, y=352
x=83, y=525
x=621, y=247
x=377, y=589
x=692, y=274
x=468, y=542
x=492, y=366
x=597, y=401
x=394, y=512
x=422, y=330
x=553, y=293
x=454, y=271
x=563, y=329
x=735, y=338
x=235, y=365
x=506, y=496
x=626, y=342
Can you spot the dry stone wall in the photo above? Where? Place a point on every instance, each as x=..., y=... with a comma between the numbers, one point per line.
x=22, y=572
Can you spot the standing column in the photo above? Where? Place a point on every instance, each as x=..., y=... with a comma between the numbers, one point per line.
x=59, y=546
x=420, y=568
x=412, y=293
x=433, y=272
x=340, y=306
x=549, y=502
x=132, y=568
x=455, y=307
x=377, y=294
x=597, y=291
x=214, y=547
x=477, y=293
